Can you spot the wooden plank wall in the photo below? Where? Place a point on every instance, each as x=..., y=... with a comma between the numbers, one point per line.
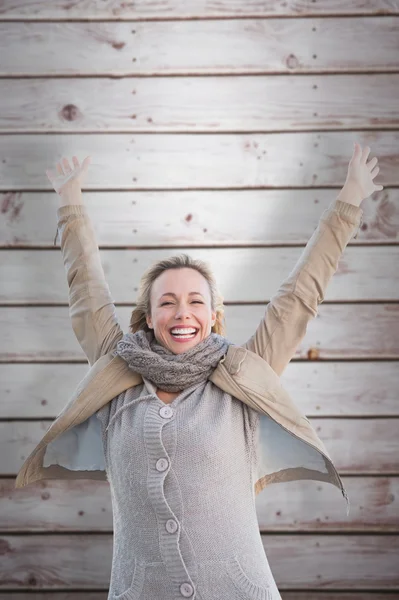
x=223, y=129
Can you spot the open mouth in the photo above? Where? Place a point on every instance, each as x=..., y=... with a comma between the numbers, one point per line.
x=183, y=337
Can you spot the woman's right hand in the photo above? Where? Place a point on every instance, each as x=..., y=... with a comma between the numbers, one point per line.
x=66, y=179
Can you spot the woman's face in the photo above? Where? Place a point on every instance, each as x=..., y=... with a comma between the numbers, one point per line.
x=180, y=298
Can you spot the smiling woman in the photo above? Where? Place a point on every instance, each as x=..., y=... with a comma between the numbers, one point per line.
x=183, y=476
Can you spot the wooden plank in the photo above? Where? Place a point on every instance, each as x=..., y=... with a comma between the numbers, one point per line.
x=232, y=46
x=338, y=331
x=215, y=218
x=167, y=161
x=142, y=9
x=334, y=561
x=30, y=276
x=348, y=562
x=303, y=506
x=199, y=104
x=308, y=595
x=328, y=389
x=366, y=446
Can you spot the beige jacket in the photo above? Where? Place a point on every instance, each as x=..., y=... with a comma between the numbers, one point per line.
x=249, y=372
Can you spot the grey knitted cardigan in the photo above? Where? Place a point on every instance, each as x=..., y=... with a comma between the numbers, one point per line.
x=177, y=533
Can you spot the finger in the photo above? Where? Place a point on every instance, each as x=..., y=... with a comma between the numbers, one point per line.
x=86, y=163
x=66, y=165
x=356, y=152
x=60, y=170
x=75, y=161
x=374, y=172
x=365, y=153
x=372, y=163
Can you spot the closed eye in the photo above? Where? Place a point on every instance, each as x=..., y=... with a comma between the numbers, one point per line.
x=198, y=302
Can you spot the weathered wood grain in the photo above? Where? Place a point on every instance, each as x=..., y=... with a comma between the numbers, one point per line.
x=143, y=9
x=308, y=595
x=198, y=104
x=339, y=45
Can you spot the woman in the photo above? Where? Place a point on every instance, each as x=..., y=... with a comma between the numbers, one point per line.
x=176, y=532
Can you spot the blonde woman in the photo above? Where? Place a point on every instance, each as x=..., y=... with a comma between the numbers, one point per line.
x=181, y=453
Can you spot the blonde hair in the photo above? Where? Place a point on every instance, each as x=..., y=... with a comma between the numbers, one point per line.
x=180, y=261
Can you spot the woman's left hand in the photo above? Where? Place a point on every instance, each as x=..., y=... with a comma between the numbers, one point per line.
x=361, y=173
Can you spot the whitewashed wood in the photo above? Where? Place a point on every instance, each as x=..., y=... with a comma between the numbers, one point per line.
x=343, y=388
x=344, y=331
x=84, y=561
x=308, y=595
x=143, y=9
x=195, y=218
x=199, y=104
x=302, y=506
x=56, y=505
x=284, y=595
x=168, y=161
x=334, y=561
x=232, y=46
x=31, y=276
x=366, y=446
x=34, y=390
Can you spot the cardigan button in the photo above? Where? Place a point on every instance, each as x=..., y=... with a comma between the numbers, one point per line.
x=171, y=526
x=166, y=412
x=161, y=464
x=186, y=590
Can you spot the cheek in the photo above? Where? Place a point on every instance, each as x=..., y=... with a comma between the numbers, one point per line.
x=161, y=320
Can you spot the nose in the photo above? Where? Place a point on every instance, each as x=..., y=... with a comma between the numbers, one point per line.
x=182, y=311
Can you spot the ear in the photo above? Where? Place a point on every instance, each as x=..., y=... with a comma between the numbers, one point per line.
x=213, y=318
x=149, y=322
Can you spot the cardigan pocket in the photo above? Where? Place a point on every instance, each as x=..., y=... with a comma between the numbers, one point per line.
x=226, y=579
x=246, y=588
x=135, y=588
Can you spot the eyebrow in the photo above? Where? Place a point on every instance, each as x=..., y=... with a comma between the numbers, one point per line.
x=172, y=294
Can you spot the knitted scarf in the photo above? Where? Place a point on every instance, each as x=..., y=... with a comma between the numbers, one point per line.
x=165, y=369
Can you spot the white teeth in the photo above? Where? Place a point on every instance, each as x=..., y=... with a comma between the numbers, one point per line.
x=183, y=331
x=184, y=337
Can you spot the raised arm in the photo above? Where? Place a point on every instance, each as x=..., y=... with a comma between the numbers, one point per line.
x=91, y=307
x=289, y=311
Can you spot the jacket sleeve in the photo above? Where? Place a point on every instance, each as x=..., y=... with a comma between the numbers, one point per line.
x=287, y=314
x=91, y=307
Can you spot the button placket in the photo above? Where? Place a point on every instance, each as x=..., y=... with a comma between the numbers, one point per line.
x=175, y=563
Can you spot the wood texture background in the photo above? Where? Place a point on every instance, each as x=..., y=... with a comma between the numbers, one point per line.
x=222, y=129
